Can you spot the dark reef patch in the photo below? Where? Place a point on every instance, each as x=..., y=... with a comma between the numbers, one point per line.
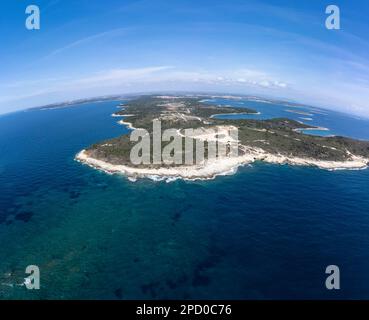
x=119, y=293
x=74, y=194
x=150, y=288
x=199, y=276
x=24, y=216
x=177, y=283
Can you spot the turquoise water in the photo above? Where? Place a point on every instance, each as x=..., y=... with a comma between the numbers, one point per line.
x=322, y=133
x=337, y=123
x=266, y=232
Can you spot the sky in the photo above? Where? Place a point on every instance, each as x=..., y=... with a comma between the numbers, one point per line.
x=272, y=48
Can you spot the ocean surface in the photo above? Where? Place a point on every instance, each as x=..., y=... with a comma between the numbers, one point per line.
x=267, y=232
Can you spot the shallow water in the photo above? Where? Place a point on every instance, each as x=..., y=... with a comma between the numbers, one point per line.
x=337, y=123
x=268, y=231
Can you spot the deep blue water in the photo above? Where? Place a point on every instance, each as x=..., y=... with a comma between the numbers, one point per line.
x=266, y=232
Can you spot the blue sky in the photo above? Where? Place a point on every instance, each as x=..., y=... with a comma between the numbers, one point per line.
x=272, y=48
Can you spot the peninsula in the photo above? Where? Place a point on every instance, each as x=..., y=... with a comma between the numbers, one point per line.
x=275, y=141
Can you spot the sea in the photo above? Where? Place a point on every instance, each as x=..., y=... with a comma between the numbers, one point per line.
x=266, y=232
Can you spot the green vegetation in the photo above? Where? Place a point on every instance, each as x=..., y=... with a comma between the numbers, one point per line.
x=276, y=136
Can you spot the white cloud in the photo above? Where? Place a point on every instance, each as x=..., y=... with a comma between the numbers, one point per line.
x=120, y=80
x=22, y=90
x=253, y=78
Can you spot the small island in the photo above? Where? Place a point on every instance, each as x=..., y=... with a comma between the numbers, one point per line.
x=275, y=141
